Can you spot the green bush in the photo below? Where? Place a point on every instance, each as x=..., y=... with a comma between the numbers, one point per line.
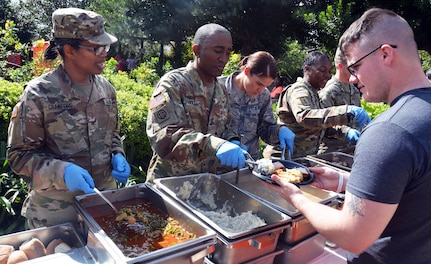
x=13, y=191
x=132, y=99
x=374, y=109
x=9, y=96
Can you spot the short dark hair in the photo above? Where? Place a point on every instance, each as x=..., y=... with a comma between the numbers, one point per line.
x=313, y=57
x=207, y=30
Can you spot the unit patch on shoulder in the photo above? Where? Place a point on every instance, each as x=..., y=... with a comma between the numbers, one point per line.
x=303, y=96
x=156, y=101
x=161, y=114
x=300, y=94
x=14, y=112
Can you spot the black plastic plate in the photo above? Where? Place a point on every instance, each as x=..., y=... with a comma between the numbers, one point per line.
x=288, y=165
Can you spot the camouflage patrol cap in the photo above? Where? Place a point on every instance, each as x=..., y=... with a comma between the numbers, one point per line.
x=77, y=23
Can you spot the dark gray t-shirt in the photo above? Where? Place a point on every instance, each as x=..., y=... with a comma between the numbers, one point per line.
x=392, y=165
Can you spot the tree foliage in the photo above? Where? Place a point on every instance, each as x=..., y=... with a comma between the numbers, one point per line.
x=328, y=26
x=162, y=28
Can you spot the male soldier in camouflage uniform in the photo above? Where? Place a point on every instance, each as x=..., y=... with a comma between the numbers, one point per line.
x=300, y=109
x=339, y=91
x=64, y=131
x=189, y=113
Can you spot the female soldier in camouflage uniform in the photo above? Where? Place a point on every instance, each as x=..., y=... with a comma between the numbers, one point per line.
x=64, y=131
x=251, y=105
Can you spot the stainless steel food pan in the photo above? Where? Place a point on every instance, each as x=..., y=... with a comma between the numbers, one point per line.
x=66, y=232
x=300, y=227
x=246, y=249
x=192, y=251
x=223, y=195
x=300, y=253
x=337, y=159
x=251, y=184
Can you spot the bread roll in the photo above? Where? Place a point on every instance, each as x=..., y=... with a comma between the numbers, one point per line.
x=62, y=248
x=50, y=249
x=33, y=248
x=17, y=256
x=5, y=251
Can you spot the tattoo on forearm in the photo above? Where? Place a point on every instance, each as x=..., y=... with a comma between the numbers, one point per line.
x=355, y=206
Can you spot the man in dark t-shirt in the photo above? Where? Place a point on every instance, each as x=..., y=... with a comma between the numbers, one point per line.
x=386, y=217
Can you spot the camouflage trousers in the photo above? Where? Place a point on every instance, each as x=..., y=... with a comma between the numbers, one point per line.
x=48, y=208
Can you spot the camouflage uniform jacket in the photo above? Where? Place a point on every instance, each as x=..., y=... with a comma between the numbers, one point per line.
x=252, y=116
x=336, y=93
x=56, y=122
x=187, y=122
x=299, y=108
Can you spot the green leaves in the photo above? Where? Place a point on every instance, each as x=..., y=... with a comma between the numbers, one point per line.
x=13, y=191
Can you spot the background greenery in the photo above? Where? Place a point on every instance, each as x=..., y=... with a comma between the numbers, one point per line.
x=159, y=32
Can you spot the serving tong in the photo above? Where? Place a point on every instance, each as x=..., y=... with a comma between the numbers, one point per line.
x=259, y=166
x=105, y=199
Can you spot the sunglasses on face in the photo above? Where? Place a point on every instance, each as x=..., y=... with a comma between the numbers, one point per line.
x=350, y=67
x=97, y=50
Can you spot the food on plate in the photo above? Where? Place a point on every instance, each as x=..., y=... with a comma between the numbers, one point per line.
x=5, y=251
x=33, y=248
x=17, y=256
x=291, y=175
x=267, y=166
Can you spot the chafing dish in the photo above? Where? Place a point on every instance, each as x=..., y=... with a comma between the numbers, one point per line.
x=66, y=232
x=232, y=247
x=303, y=252
x=191, y=251
x=300, y=227
x=336, y=159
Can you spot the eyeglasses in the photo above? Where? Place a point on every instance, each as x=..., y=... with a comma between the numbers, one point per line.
x=97, y=50
x=352, y=71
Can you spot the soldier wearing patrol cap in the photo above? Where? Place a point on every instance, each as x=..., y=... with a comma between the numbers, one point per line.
x=63, y=135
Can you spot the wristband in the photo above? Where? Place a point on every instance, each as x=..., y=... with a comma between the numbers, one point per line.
x=340, y=183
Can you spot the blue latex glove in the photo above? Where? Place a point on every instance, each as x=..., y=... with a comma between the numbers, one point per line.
x=77, y=178
x=236, y=142
x=231, y=155
x=353, y=135
x=287, y=138
x=121, y=171
x=360, y=115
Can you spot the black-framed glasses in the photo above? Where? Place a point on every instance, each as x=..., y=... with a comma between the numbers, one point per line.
x=349, y=68
x=97, y=50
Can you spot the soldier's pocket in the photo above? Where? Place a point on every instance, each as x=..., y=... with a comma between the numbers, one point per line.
x=67, y=134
